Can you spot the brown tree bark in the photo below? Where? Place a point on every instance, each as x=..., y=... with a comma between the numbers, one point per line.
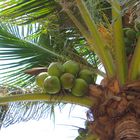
x=127, y=128
x=117, y=114
x=124, y=127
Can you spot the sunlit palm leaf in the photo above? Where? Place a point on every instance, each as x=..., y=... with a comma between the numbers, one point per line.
x=23, y=47
x=17, y=54
x=30, y=11
x=23, y=111
x=24, y=11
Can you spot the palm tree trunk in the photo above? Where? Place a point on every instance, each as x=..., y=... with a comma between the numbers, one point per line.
x=117, y=118
x=127, y=128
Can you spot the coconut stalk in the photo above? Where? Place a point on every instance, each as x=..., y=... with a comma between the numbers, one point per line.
x=100, y=47
x=86, y=101
x=134, y=70
x=118, y=42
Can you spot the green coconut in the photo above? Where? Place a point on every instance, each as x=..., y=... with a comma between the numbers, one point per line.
x=67, y=80
x=80, y=87
x=52, y=85
x=55, y=69
x=40, y=78
x=87, y=75
x=131, y=34
x=71, y=67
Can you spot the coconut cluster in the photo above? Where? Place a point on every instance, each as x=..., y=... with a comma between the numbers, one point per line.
x=68, y=76
x=130, y=37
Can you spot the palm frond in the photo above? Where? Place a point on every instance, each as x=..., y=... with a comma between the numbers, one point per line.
x=11, y=113
x=42, y=106
x=135, y=63
x=130, y=4
x=3, y=110
x=98, y=8
x=119, y=45
x=18, y=55
x=25, y=111
x=19, y=51
x=38, y=44
x=23, y=12
x=26, y=10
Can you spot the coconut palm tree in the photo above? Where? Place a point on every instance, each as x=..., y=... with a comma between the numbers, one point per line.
x=93, y=33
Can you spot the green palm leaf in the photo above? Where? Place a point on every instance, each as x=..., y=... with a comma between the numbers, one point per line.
x=18, y=55
x=19, y=51
x=33, y=45
x=40, y=107
x=30, y=11
x=23, y=47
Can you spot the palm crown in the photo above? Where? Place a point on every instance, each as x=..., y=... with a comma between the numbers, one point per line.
x=91, y=33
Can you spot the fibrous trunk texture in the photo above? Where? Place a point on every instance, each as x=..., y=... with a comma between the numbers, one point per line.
x=127, y=128
x=116, y=115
